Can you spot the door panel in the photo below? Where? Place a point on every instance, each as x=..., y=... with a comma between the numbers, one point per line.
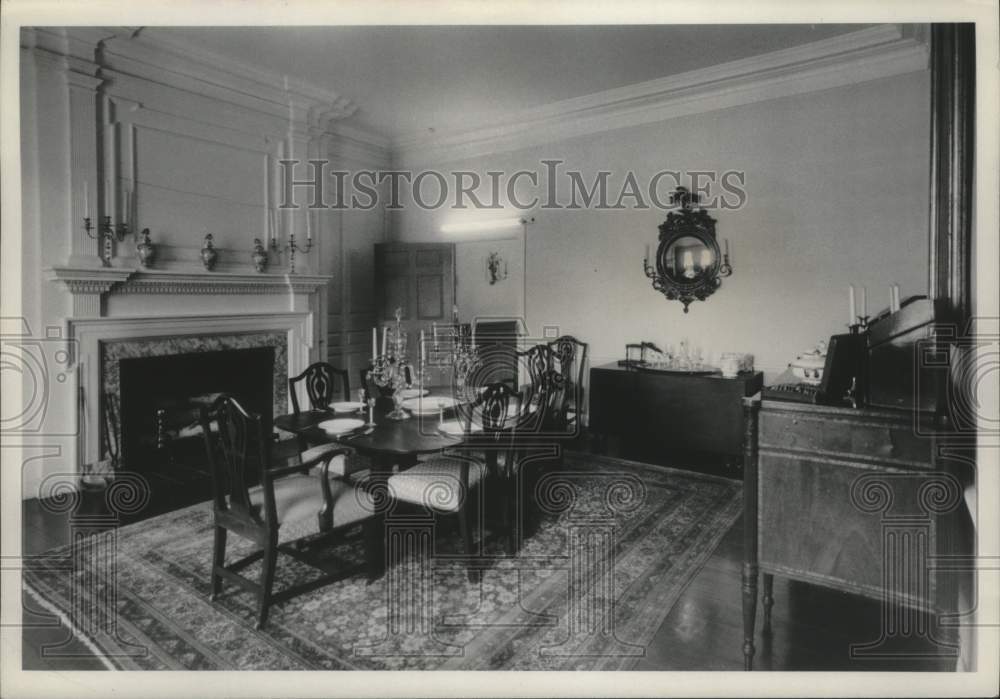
x=396, y=295
x=430, y=297
x=417, y=277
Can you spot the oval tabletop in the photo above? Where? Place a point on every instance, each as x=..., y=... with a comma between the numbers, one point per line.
x=417, y=435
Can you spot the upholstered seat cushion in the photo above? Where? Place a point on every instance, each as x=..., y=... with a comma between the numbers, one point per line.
x=436, y=483
x=299, y=498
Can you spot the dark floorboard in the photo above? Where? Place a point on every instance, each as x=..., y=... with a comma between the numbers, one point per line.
x=813, y=628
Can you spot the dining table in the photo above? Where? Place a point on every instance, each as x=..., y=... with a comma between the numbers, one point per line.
x=391, y=445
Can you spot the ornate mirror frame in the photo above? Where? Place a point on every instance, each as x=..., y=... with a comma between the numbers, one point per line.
x=687, y=222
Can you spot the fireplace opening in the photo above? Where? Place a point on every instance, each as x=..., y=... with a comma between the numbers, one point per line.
x=160, y=398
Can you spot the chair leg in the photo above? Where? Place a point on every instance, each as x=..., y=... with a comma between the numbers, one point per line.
x=463, y=526
x=266, y=580
x=218, y=561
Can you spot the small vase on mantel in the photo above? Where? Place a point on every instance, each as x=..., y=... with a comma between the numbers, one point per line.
x=145, y=250
x=208, y=254
x=259, y=255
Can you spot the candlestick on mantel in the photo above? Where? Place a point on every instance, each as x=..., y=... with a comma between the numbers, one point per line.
x=852, y=316
x=385, y=338
x=309, y=230
x=374, y=343
x=864, y=301
x=423, y=350
x=107, y=197
x=434, y=327
x=86, y=199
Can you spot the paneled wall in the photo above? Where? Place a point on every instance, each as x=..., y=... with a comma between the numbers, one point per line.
x=183, y=143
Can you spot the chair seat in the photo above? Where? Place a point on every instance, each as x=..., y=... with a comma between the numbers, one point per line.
x=435, y=484
x=299, y=498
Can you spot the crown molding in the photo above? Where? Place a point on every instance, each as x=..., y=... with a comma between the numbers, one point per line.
x=351, y=143
x=122, y=53
x=860, y=56
x=194, y=69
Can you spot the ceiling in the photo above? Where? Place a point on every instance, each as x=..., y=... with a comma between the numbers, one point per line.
x=427, y=79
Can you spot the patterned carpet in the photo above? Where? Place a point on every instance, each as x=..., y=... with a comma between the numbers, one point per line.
x=615, y=546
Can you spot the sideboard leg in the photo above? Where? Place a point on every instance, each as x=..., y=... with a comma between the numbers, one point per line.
x=749, y=612
x=767, y=601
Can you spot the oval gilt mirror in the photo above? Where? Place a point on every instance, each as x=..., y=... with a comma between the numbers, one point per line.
x=689, y=264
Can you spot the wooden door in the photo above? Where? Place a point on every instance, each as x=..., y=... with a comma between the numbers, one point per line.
x=419, y=278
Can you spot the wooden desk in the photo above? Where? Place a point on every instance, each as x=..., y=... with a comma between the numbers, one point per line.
x=848, y=499
x=655, y=413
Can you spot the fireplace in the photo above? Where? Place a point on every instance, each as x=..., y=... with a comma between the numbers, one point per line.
x=153, y=386
x=159, y=399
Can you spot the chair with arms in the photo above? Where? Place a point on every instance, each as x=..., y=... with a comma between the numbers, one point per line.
x=443, y=484
x=288, y=508
x=318, y=380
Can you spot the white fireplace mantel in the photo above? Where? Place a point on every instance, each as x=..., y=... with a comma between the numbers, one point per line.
x=90, y=286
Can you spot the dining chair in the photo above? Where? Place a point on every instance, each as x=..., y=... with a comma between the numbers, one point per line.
x=533, y=362
x=282, y=513
x=318, y=379
x=541, y=430
x=320, y=387
x=444, y=484
x=570, y=358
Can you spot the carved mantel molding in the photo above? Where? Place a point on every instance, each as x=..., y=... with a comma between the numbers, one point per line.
x=90, y=286
x=170, y=282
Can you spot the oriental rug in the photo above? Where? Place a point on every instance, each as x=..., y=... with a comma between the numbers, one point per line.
x=614, y=546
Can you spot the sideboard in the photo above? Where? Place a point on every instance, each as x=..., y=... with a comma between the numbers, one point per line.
x=655, y=415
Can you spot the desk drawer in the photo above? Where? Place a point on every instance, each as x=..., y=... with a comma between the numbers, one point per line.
x=876, y=440
x=811, y=527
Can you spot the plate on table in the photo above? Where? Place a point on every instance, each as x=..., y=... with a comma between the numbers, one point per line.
x=346, y=406
x=407, y=393
x=341, y=426
x=428, y=405
x=454, y=428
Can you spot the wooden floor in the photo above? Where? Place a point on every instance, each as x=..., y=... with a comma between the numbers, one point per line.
x=814, y=628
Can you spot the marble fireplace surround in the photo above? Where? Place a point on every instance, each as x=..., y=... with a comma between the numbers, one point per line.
x=112, y=352
x=101, y=342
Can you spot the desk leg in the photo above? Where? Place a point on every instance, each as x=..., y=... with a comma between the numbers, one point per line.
x=768, y=601
x=751, y=409
x=749, y=612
